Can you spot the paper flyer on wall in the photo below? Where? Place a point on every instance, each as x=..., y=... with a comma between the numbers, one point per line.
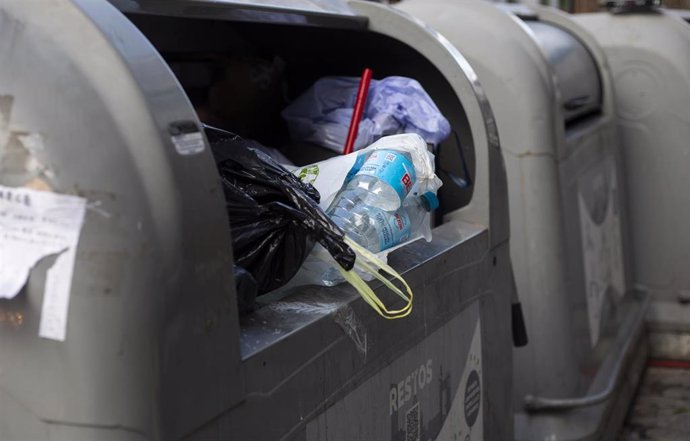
x=35, y=225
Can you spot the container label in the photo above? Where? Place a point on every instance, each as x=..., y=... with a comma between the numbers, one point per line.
x=391, y=167
x=393, y=228
x=465, y=420
x=602, y=251
x=187, y=138
x=428, y=393
x=188, y=143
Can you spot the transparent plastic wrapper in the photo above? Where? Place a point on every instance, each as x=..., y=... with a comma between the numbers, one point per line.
x=394, y=105
x=330, y=177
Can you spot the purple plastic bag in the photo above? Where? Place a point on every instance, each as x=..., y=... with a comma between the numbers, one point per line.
x=394, y=105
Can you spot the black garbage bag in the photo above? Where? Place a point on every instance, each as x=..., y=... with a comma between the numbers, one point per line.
x=274, y=217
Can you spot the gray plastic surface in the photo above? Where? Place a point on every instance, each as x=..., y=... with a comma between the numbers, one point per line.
x=338, y=7
x=577, y=76
x=650, y=63
x=80, y=76
x=155, y=348
x=682, y=13
x=329, y=13
x=567, y=211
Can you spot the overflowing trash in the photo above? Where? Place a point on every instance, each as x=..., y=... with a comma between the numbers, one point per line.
x=275, y=219
x=382, y=197
x=394, y=105
x=358, y=206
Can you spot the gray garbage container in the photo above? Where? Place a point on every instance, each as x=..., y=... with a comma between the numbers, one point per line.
x=154, y=346
x=650, y=63
x=682, y=13
x=551, y=90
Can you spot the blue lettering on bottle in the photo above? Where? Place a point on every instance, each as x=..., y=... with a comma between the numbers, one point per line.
x=392, y=228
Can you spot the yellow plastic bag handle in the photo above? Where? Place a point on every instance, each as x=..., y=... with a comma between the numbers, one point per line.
x=368, y=262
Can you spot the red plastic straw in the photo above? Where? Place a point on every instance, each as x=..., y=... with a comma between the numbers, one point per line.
x=359, y=108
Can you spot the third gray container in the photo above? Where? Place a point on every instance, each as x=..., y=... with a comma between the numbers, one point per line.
x=551, y=90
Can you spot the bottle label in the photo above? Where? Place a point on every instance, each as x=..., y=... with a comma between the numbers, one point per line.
x=355, y=167
x=391, y=167
x=392, y=228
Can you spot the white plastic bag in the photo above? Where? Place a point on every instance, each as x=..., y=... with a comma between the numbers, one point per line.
x=331, y=175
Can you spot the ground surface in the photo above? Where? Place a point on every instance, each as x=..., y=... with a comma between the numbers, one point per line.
x=661, y=411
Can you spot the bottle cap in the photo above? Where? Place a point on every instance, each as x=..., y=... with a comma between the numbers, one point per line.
x=430, y=201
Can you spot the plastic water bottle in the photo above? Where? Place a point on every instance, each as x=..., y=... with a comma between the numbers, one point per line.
x=384, y=179
x=376, y=229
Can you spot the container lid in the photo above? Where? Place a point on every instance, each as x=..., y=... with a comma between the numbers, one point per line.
x=575, y=69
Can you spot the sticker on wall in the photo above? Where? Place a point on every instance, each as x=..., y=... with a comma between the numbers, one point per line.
x=34, y=225
x=601, y=242
x=187, y=138
x=465, y=419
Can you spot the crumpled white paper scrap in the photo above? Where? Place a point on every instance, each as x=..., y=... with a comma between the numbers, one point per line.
x=34, y=225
